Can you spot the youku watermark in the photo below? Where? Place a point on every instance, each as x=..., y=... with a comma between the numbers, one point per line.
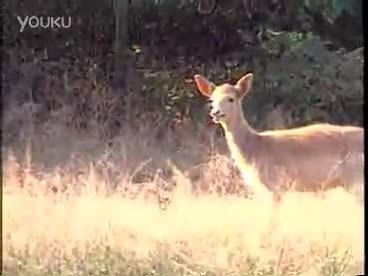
x=45, y=22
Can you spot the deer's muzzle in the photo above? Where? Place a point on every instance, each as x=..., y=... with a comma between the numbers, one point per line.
x=217, y=115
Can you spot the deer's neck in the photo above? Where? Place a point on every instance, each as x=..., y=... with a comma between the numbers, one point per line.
x=244, y=143
x=242, y=140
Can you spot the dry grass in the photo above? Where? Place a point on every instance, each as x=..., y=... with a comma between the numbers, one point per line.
x=73, y=219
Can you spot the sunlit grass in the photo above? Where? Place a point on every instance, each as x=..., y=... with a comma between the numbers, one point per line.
x=90, y=233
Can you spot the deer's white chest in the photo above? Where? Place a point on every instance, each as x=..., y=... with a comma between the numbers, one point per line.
x=240, y=160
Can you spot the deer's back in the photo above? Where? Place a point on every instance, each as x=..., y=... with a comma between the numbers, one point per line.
x=324, y=138
x=309, y=154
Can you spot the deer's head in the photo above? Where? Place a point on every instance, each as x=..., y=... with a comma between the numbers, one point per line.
x=225, y=99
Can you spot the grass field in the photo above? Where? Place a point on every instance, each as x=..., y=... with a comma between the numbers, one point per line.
x=88, y=229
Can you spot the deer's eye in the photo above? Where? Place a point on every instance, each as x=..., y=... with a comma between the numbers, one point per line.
x=231, y=100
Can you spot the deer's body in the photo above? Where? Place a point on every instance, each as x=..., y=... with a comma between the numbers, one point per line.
x=311, y=158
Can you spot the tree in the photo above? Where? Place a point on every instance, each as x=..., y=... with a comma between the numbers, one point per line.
x=121, y=13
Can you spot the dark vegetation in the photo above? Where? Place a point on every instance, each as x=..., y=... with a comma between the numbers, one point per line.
x=106, y=75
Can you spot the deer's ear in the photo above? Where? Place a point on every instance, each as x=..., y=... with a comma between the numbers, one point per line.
x=204, y=86
x=244, y=84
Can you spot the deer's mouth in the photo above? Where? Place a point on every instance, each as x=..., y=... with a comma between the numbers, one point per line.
x=216, y=118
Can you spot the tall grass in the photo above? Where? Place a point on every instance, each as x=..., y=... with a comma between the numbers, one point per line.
x=84, y=217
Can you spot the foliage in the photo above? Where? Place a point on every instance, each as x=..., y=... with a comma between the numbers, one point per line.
x=333, y=9
x=308, y=83
x=168, y=47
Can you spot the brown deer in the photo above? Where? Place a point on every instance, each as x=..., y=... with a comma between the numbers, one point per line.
x=312, y=158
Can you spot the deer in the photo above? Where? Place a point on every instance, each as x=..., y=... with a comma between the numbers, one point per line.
x=311, y=158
